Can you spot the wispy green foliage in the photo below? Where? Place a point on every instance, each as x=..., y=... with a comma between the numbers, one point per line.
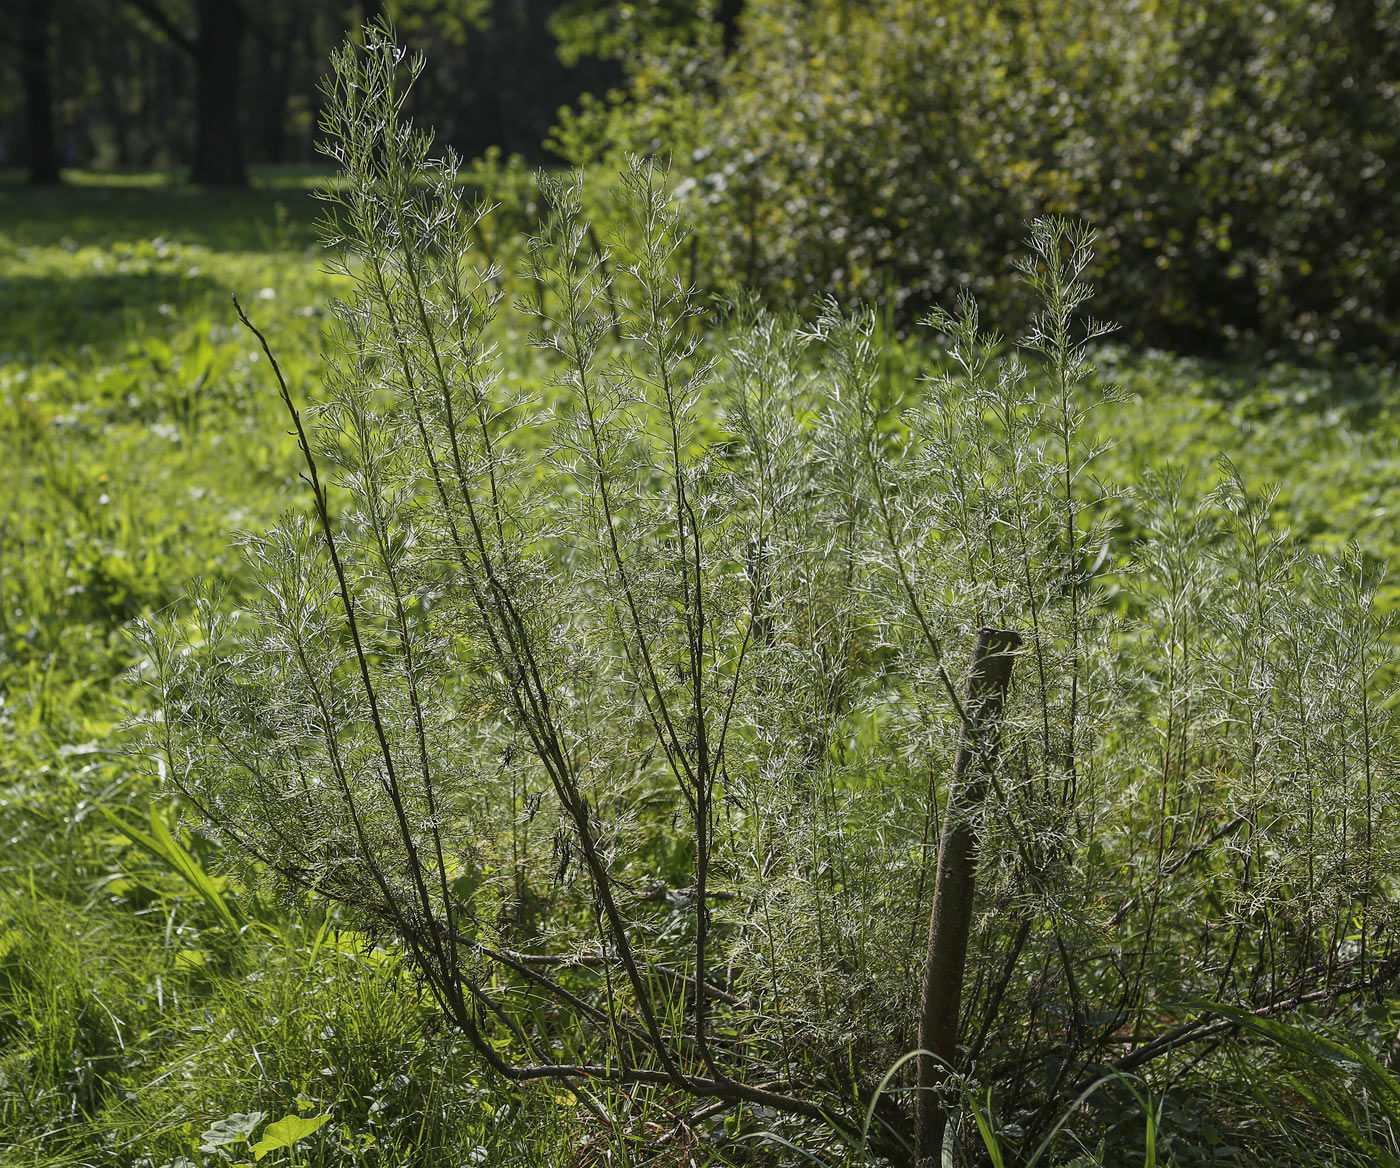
x=626, y=698
x=133, y=1018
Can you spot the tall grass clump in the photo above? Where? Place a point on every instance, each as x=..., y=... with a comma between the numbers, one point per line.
x=720, y=719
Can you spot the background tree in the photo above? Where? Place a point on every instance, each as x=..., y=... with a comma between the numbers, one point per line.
x=218, y=85
x=215, y=48
x=1240, y=159
x=609, y=30
x=36, y=57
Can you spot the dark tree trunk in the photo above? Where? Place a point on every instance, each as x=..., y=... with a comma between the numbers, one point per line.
x=729, y=13
x=112, y=81
x=37, y=67
x=274, y=84
x=275, y=122
x=950, y=921
x=309, y=148
x=218, y=153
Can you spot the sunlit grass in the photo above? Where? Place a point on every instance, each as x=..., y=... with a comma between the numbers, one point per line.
x=138, y=429
x=136, y=433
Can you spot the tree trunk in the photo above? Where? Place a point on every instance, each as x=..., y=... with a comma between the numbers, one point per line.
x=729, y=13
x=310, y=146
x=218, y=153
x=274, y=84
x=37, y=68
x=950, y=920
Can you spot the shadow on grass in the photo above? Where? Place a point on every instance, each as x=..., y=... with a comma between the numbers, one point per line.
x=57, y=317
x=1355, y=397
x=278, y=213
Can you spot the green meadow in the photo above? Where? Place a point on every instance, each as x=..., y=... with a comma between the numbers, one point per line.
x=154, y=1013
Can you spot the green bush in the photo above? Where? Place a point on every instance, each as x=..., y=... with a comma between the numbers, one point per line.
x=631, y=699
x=1239, y=157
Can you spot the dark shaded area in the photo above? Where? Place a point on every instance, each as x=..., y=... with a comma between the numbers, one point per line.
x=215, y=49
x=503, y=85
x=218, y=151
x=213, y=85
x=280, y=209
x=38, y=93
x=105, y=310
x=729, y=13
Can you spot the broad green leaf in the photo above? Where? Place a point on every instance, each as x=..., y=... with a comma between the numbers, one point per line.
x=232, y=1129
x=1355, y=1062
x=1352, y=1060
x=287, y=1131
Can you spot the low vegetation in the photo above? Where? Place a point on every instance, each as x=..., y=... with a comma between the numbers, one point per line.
x=581, y=705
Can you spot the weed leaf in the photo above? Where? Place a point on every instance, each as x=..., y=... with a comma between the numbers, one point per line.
x=286, y=1132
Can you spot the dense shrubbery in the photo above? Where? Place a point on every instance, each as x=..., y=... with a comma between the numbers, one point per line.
x=1239, y=158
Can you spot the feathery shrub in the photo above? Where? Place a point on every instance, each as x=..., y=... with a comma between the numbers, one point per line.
x=633, y=702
